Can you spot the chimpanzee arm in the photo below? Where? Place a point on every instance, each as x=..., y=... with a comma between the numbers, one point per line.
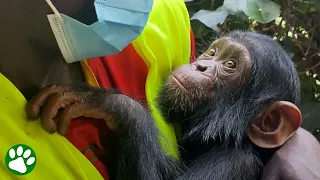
x=141, y=157
x=224, y=164
x=140, y=154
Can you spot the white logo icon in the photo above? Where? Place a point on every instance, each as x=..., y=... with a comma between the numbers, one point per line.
x=20, y=159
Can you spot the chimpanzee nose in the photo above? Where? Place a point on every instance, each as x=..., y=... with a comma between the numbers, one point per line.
x=203, y=65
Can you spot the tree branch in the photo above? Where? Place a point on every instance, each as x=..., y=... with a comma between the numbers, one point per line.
x=311, y=40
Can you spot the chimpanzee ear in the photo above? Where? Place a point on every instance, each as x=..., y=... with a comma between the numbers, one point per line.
x=276, y=125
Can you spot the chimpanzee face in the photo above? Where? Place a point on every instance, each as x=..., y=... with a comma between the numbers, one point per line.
x=224, y=66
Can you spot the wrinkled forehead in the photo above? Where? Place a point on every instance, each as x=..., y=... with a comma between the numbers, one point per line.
x=229, y=45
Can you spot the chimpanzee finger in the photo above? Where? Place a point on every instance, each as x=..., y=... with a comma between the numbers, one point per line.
x=51, y=107
x=68, y=113
x=36, y=102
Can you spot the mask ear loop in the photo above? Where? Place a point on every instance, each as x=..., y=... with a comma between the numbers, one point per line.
x=54, y=9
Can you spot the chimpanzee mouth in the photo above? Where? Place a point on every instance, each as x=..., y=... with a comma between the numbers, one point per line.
x=178, y=82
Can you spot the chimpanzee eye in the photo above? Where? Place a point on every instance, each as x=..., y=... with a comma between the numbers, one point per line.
x=212, y=51
x=230, y=64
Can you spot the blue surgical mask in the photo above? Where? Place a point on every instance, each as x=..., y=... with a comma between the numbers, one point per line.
x=119, y=23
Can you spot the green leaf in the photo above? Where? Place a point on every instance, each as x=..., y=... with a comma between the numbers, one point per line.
x=312, y=9
x=211, y=19
x=238, y=22
x=197, y=5
x=317, y=4
x=288, y=45
x=317, y=70
x=308, y=87
x=310, y=112
x=242, y=16
x=301, y=7
x=263, y=11
x=239, y=17
x=235, y=6
x=199, y=29
x=238, y=25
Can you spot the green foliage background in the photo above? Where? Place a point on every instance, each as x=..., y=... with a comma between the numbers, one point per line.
x=295, y=24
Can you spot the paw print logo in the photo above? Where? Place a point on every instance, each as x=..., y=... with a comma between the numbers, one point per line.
x=20, y=159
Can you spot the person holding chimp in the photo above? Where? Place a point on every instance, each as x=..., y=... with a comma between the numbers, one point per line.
x=236, y=121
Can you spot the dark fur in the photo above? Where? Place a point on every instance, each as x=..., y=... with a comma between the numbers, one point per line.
x=214, y=143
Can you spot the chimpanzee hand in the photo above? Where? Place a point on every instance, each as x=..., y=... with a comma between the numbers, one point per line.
x=57, y=106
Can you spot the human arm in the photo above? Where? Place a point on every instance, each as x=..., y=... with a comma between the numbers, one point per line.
x=297, y=159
